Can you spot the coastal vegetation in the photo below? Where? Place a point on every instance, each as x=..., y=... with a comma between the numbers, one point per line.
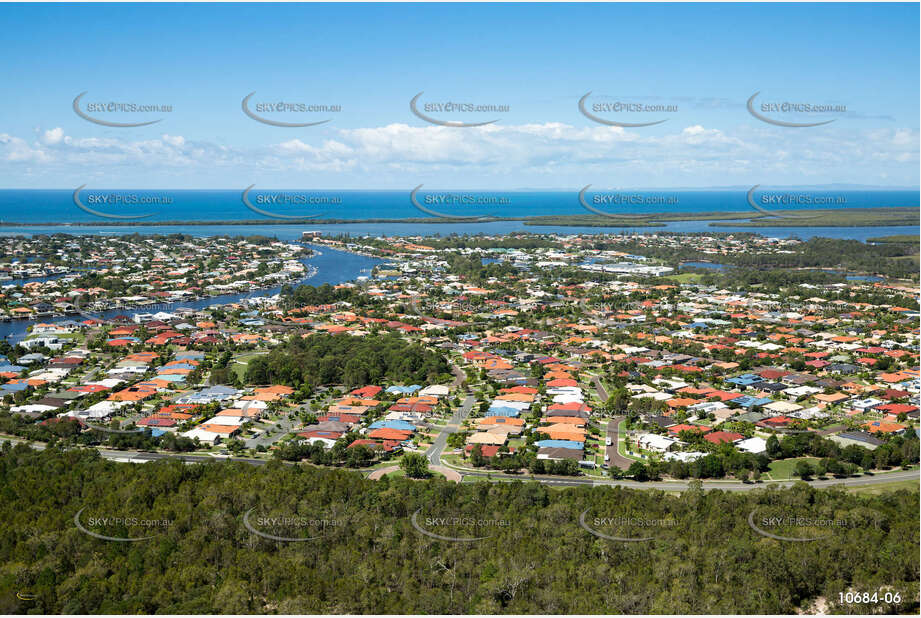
x=323, y=359
x=366, y=555
x=897, y=238
x=833, y=254
x=840, y=217
x=849, y=217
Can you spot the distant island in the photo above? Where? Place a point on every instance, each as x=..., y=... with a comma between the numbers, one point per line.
x=831, y=217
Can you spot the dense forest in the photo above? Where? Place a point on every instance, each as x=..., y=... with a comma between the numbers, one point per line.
x=306, y=295
x=890, y=259
x=353, y=361
x=367, y=553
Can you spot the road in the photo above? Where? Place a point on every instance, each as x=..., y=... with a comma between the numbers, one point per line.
x=459, y=376
x=860, y=481
x=614, y=457
x=438, y=446
x=600, y=389
x=144, y=457
x=889, y=477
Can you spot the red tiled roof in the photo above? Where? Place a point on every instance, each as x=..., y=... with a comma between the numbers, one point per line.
x=718, y=437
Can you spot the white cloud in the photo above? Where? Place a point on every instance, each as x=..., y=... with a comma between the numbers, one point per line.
x=53, y=136
x=17, y=150
x=549, y=154
x=174, y=140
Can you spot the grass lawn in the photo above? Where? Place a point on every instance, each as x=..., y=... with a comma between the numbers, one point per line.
x=456, y=460
x=67, y=335
x=401, y=474
x=383, y=464
x=685, y=277
x=783, y=469
x=622, y=448
x=598, y=472
x=240, y=363
x=885, y=487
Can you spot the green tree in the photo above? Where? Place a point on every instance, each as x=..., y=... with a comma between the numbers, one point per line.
x=638, y=471
x=773, y=447
x=803, y=469
x=415, y=466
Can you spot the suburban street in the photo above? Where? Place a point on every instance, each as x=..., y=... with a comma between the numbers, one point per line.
x=434, y=452
x=459, y=376
x=600, y=389
x=614, y=457
x=278, y=431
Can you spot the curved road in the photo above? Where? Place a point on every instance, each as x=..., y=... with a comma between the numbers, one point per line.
x=887, y=477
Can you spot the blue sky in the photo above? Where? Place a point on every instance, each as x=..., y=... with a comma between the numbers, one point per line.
x=706, y=60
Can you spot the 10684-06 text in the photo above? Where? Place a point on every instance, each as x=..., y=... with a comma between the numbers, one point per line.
x=853, y=598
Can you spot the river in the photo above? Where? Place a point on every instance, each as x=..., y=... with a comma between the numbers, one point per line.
x=332, y=266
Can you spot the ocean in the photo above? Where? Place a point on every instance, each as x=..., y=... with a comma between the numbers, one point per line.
x=57, y=209
x=58, y=206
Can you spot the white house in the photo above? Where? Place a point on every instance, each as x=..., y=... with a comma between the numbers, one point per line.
x=52, y=343
x=800, y=391
x=783, y=407
x=655, y=442
x=755, y=446
x=434, y=390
